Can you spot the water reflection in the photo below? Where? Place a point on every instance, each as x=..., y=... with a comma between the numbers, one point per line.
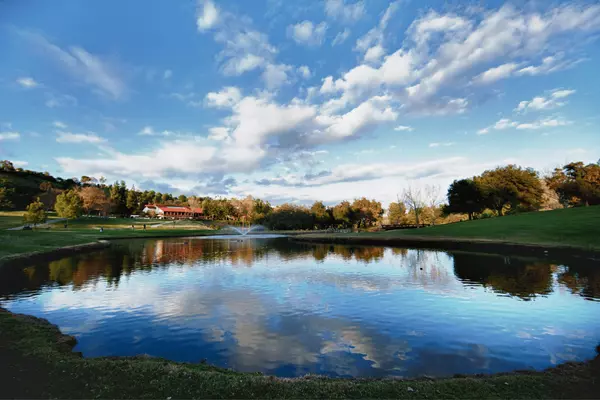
x=287, y=308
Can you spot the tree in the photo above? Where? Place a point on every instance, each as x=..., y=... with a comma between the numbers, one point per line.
x=433, y=201
x=511, y=187
x=94, y=200
x=6, y=193
x=396, y=213
x=6, y=165
x=35, y=213
x=182, y=199
x=260, y=211
x=577, y=184
x=464, y=196
x=342, y=214
x=321, y=215
x=118, y=198
x=133, y=201
x=68, y=204
x=414, y=199
x=290, y=217
x=366, y=212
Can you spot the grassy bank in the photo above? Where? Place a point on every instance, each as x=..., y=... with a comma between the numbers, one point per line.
x=20, y=242
x=575, y=227
x=32, y=350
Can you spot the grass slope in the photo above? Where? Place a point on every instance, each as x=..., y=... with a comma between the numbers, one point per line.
x=32, y=350
x=576, y=227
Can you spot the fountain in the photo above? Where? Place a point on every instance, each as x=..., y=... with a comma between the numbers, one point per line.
x=243, y=230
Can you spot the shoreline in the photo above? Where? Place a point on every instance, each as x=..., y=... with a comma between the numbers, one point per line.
x=456, y=244
x=47, y=347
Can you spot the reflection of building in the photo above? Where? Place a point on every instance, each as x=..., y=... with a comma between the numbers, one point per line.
x=174, y=212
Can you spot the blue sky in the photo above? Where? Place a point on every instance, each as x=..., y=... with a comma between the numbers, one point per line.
x=297, y=101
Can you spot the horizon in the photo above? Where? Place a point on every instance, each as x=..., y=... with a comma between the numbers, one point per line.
x=326, y=101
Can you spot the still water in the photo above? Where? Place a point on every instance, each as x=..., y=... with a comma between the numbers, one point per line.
x=289, y=309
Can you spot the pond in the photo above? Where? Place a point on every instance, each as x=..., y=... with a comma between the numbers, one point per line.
x=288, y=309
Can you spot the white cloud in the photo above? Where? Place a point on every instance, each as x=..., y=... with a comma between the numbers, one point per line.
x=59, y=124
x=226, y=98
x=307, y=33
x=219, y=133
x=207, y=15
x=83, y=66
x=20, y=164
x=348, y=13
x=402, y=128
x=167, y=74
x=304, y=71
x=374, y=54
x=27, y=82
x=375, y=36
x=341, y=37
x=275, y=75
x=68, y=137
x=547, y=102
x=447, y=144
x=544, y=123
x=9, y=136
x=496, y=73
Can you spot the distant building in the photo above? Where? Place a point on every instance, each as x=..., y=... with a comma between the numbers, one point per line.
x=174, y=212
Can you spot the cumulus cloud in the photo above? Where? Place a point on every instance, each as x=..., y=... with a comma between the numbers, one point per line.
x=307, y=33
x=375, y=37
x=69, y=137
x=496, y=73
x=27, y=82
x=276, y=75
x=59, y=125
x=207, y=15
x=226, y=98
x=402, y=128
x=547, y=102
x=304, y=71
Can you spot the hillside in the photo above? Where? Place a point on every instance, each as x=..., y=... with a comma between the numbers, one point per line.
x=577, y=227
x=26, y=185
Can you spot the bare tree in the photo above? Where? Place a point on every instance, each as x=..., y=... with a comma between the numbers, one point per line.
x=433, y=199
x=414, y=200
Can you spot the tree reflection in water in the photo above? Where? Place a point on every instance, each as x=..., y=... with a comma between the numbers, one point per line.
x=514, y=276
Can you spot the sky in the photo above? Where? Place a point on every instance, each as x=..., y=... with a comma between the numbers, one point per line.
x=297, y=101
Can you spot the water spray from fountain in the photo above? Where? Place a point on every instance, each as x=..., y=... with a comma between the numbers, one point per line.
x=245, y=230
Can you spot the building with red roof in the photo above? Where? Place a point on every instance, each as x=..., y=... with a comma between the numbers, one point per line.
x=163, y=211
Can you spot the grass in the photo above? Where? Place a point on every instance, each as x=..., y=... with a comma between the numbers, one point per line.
x=32, y=350
x=12, y=219
x=576, y=227
x=19, y=242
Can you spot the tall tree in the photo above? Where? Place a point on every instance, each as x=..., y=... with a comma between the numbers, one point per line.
x=465, y=197
x=118, y=198
x=35, y=213
x=414, y=199
x=342, y=213
x=133, y=201
x=396, y=213
x=321, y=215
x=577, y=184
x=94, y=200
x=366, y=212
x=511, y=187
x=68, y=204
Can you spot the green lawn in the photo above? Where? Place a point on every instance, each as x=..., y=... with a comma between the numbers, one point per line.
x=17, y=242
x=12, y=219
x=577, y=227
x=37, y=362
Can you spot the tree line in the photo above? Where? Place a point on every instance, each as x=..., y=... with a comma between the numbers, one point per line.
x=504, y=190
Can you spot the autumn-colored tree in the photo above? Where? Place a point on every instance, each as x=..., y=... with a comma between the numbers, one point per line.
x=342, y=214
x=366, y=212
x=321, y=215
x=35, y=213
x=94, y=200
x=397, y=213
